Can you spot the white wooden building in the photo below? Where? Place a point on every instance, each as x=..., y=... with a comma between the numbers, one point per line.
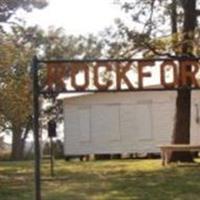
x=123, y=122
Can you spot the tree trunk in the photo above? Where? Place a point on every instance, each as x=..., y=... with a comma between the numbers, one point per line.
x=17, y=145
x=181, y=133
x=19, y=139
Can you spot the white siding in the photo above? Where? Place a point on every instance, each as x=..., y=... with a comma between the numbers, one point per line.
x=118, y=122
x=163, y=121
x=84, y=117
x=105, y=123
x=144, y=121
x=195, y=118
x=127, y=126
x=72, y=131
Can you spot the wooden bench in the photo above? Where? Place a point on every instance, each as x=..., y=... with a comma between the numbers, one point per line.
x=167, y=149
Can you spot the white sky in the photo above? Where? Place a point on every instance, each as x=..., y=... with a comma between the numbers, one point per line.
x=75, y=16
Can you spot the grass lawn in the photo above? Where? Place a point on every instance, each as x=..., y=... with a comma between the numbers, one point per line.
x=102, y=180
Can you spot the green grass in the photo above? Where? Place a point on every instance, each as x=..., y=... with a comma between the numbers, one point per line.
x=102, y=180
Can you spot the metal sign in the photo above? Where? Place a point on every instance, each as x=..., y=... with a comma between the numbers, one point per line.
x=107, y=76
x=124, y=75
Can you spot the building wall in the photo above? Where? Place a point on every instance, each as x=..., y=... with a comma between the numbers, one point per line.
x=121, y=122
x=195, y=118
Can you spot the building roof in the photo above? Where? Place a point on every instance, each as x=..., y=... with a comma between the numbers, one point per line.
x=72, y=95
x=63, y=96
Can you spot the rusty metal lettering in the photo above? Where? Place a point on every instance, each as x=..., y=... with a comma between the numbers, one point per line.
x=163, y=75
x=55, y=77
x=113, y=75
x=141, y=73
x=75, y=69
x=122, y=76
x=189, y=69
x=108, y=82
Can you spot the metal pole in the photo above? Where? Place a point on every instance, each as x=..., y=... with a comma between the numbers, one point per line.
x=36, y=128
x=52, y=156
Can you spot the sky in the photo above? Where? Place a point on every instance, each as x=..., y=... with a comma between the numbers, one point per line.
x=75, y=16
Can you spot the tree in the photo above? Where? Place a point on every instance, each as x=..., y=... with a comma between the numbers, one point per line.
x=183, y=103
x=56, y=45
x=8, y=8
x=16, y=51
x=15, y=99
x=167, y=29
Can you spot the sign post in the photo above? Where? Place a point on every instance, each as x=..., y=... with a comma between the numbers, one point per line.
x=36, y=128
x=134, y=74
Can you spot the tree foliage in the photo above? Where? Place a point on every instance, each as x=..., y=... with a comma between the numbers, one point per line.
x=162, y=29
x=151, y=28
x=16, y=52
x=9, y=7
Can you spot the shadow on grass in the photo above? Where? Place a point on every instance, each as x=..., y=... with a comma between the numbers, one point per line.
x=102, y=180
x=164, y=185
x=16, y=180
x=122, y=182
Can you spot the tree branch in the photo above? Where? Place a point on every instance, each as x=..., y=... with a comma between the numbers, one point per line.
x=153, y=49
x=149, y=21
